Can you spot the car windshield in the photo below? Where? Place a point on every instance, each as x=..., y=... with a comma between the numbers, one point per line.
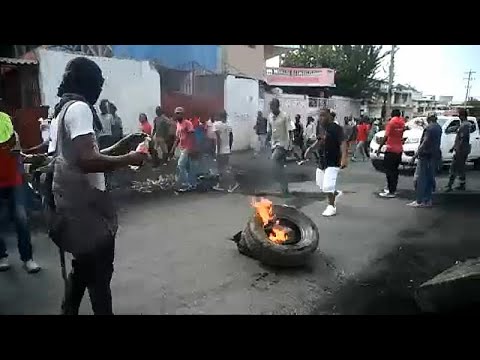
x=441, y=121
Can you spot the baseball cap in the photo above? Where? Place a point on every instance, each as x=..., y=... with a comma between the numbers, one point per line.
x=179, y=110
x=6, y=127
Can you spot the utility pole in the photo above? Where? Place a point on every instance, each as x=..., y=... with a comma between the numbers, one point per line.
x=391, y=75
x=469, y=80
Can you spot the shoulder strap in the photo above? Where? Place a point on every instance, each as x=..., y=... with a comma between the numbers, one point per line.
x=61, y=128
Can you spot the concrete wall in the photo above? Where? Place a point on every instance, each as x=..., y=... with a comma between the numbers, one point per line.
x=173, y=56
x=133, y=86
x=244, y=60
x=344, y=106
x=241, y=104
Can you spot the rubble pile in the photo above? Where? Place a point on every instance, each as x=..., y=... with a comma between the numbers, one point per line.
x=164, y=182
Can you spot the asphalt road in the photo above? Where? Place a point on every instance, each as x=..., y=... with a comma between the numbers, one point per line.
x=173, y=255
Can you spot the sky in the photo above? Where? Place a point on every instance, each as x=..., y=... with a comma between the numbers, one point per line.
x=434, y=69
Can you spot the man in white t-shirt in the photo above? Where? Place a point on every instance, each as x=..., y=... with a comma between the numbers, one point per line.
x=223, y=131
x=87, y=201
x=279, y=129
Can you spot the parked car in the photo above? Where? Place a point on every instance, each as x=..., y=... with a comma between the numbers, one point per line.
x=413, y=134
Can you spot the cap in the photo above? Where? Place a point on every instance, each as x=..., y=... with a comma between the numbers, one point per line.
x=179, y=110
x=6, y=127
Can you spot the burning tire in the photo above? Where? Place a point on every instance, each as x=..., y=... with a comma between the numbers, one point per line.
x=293, y=251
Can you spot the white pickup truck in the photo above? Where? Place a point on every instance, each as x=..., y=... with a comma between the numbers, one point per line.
x=412, y=136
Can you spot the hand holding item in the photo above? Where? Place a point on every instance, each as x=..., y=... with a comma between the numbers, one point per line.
x=144, y=147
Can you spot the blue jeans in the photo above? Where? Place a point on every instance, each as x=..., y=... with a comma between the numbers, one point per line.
x=425, y=180
x=187, y=169
x=16, y=200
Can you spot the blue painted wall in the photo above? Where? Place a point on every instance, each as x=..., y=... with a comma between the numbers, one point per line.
x=173, y=56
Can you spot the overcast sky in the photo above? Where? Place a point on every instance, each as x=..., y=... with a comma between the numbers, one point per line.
x=435, y=69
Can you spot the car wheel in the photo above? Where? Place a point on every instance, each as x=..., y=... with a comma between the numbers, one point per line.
x=378, y=165
x=270, y=253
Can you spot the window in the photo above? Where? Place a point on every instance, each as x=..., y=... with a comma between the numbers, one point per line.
x=472, y=126
x=452, y=127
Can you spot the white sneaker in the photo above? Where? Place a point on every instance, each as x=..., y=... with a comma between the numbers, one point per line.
x=32, y=267
x=387, y=195
x=233, y=187
x=218, y=188
x=4, y=265
x=330, y=211
x=339, y=193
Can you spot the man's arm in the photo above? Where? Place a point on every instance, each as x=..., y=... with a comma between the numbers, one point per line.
x=344, y=150
x=90, y=160
x=43, y=147
x=384, y=140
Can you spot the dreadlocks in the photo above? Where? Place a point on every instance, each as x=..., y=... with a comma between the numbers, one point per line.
x=82, y=81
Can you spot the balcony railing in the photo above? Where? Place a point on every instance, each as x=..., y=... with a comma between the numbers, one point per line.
x=300, y=77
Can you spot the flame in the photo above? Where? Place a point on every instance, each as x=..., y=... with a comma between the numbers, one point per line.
x=264, y=209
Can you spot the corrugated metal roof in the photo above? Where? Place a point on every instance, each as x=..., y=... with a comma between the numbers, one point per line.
x=15, y=61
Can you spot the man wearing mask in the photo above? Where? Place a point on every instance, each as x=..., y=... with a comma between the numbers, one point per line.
x=279, y=128
x=460, y=150
x=84, y=221
x=393, y=156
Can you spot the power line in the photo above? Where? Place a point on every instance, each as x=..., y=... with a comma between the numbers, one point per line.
x=469, y=79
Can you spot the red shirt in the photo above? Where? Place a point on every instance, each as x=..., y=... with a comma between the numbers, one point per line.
x=185, y=134
x=9, y=169
x=146, y=128
x=394, y=132
x=362, y=132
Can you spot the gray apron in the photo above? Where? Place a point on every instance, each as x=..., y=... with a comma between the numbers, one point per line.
x=84, y=218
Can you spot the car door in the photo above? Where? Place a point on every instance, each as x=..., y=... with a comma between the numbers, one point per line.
x=448, y=138
x=474, y=139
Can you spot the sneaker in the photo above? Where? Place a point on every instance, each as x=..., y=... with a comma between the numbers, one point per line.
x=415, y=204
x=4, y=265
x=339, y=193
x=387, y=195
x=233, y=188
x=32, y=267
x=330, y=211
x=218, y=188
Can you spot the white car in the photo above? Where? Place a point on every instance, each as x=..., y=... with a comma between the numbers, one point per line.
x=412, y=136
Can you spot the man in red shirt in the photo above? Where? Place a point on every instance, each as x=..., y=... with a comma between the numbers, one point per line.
x=393, y=155
x=12, y=190
x=186, y=165
x=362, y=135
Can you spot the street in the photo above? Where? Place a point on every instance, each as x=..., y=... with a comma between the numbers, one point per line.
x=174, y=256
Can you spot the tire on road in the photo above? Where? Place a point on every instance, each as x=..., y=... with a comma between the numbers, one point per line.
x=291, y=255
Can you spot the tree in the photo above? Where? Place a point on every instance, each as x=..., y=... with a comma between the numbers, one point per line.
x=356, y=65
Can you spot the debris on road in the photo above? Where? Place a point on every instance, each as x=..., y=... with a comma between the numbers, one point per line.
x=164, y=182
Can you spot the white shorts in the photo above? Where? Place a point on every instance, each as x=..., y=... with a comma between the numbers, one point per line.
x=327, y=179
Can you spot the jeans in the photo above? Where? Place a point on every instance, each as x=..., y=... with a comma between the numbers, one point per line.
x=392, y=162
x=425, y=180
x=94, y=272
x=187, y=169
x=457, y=168
x=16, y=200
x=279, y=158
x=360, y=149
x=261, y=143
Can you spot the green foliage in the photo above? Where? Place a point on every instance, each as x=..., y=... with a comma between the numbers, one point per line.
x=355, y=65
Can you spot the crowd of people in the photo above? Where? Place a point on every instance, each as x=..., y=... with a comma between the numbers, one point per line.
x=85, y=147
